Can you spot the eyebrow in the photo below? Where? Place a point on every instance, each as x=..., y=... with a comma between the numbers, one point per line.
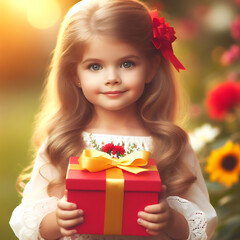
x=99, y=60
x=91, y=60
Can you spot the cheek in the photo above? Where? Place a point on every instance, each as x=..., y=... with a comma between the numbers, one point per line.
x=88, y=89
x=137, y=90
x=88, y=82
x=89, y=96
x=137, y=81
x=138, y=86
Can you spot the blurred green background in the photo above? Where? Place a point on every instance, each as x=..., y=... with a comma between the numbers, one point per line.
x=28, y=32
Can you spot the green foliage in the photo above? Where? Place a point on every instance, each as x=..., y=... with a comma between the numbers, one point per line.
x=17, y=109
x=226, y=203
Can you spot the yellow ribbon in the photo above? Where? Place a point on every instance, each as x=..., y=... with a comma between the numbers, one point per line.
x=95, y=161
x=114, y=202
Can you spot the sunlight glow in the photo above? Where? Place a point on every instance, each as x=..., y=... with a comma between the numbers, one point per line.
x=20, y=5
x=43, y=13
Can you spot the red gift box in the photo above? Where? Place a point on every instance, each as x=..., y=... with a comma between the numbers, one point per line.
x=88, y=191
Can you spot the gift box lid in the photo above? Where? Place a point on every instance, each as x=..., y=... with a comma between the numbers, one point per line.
x=83, y=180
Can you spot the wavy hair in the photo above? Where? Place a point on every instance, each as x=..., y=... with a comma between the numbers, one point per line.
x=65, y=111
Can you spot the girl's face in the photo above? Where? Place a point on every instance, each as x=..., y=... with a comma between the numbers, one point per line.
x=112, y=74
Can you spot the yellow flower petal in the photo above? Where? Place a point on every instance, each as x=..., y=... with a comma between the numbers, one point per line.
x=223, y=164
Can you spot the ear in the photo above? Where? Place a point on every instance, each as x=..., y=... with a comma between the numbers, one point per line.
x=75, y=77
x=152, y=68
x=77, y=80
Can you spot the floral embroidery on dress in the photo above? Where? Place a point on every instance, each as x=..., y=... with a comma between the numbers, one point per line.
x=114, y=151
x=129, y=143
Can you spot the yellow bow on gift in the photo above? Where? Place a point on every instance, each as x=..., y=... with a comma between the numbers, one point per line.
x=95, y=161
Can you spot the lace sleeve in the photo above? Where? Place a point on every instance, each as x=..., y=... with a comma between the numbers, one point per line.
x=25, y=221
x=196, y=218
x=195, y=206
x=36, y=203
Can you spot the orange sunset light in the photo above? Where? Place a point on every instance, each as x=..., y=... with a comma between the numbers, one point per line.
x=41, y=14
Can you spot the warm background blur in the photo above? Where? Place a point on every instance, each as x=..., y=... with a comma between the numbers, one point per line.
x=208, y=33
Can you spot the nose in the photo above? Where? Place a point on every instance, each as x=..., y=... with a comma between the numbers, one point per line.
x=112, y=77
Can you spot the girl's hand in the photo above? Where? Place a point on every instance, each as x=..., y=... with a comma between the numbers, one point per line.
x=155, y=218
x=68, y=216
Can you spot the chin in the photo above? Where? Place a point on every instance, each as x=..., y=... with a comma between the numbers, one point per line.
x=115, y=108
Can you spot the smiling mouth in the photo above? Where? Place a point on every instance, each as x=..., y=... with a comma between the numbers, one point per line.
x=114, y=93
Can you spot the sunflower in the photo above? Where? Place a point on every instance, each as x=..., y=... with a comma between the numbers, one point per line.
x=223, y=164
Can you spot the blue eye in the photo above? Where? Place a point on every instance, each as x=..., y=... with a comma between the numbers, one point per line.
x=95, y=67
x=127, y=64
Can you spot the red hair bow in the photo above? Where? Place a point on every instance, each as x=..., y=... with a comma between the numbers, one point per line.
x=163, y=37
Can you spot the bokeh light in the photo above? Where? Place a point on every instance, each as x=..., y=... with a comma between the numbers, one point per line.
x=43, y=13
x=20, y=5
x=219, y=17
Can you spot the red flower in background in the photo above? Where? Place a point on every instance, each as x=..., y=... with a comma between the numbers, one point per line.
x=108, y=148
x=223, y=99
x=231, y=55
x=119, y=150
x=235, y=28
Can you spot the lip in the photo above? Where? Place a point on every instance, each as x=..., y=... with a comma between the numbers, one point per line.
x=114, y=93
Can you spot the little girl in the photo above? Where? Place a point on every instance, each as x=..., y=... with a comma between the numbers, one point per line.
x=110, y=82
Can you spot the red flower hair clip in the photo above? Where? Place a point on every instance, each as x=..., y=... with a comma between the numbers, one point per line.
x=163, y=37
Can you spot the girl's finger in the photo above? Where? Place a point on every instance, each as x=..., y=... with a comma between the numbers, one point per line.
x=69, y=214
x=153, y=218
x=66, y=232
x=70, y=223
x=156, y=227
x=64, y=205
x=156, y=208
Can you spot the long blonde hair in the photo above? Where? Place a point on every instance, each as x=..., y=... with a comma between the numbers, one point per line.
x=65, y=111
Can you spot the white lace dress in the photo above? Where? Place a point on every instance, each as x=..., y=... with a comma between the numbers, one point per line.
x=36, y=203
